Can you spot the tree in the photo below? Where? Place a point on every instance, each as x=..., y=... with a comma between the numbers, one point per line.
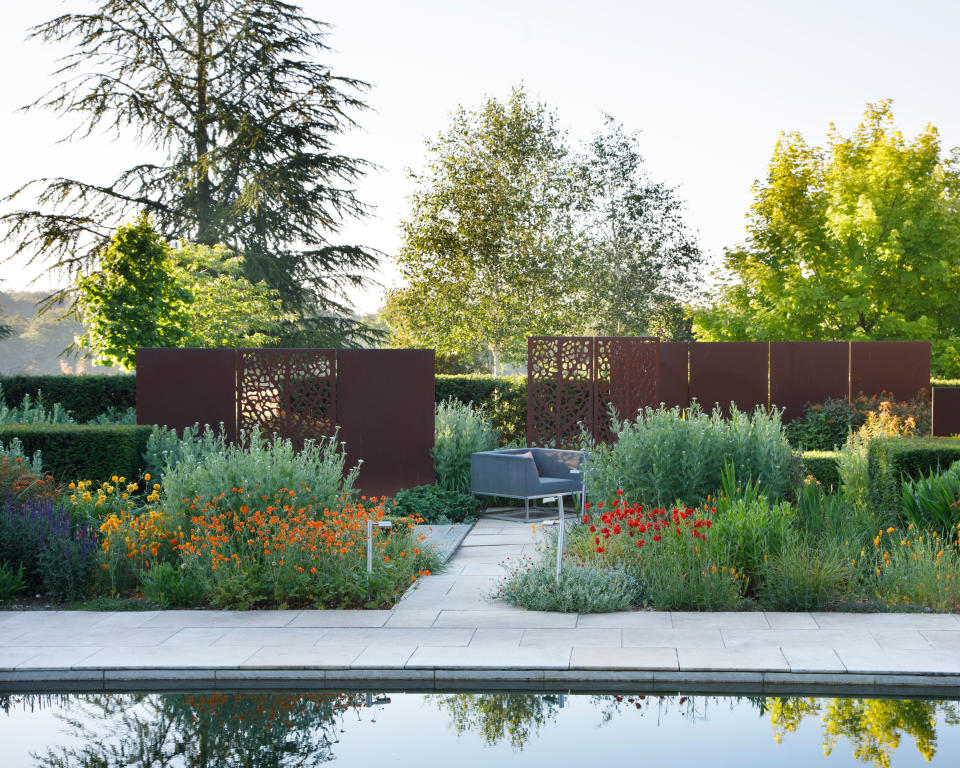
x=858, y=240
x=232, y=99
x=147, y=294
x=489, y=254
x=642, y=260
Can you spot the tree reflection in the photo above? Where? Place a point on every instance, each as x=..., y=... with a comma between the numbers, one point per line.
x=215, y=730
x=499, y=717
x=873, y=727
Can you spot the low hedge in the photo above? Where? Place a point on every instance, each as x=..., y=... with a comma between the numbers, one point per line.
x=823, y=466
x=83, y=451
x=86, y=397
x=504, y=400
x=889, y=460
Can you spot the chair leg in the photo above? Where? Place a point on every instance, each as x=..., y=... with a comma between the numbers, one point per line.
x=526, y=510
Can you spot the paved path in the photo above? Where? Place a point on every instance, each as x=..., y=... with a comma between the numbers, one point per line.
x=448, y=632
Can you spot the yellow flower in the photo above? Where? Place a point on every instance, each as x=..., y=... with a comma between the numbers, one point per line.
x=890, y=529
x=72, y=486
x=114, y=478
x=146, y=477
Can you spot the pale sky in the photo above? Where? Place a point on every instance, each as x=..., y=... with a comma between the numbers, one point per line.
x=709, y=84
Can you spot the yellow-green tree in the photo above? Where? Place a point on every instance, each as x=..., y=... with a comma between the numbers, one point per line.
x=859, y=239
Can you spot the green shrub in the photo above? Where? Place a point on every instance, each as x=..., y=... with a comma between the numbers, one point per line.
x=823, y=466
x=166, y=447
x=260, y=466
x=932, y=501
x=890, y=460
x=503, y=400
x=83, y=450
x=11, y=581
x=171, y=587
x=923, y=570
x=437, y=505
x=583, y=587
x=85, y=397
x=459, y=430
x=667, y=455
x=831, y=515
x=116, y=416
x=802, y=576
x=32, y=411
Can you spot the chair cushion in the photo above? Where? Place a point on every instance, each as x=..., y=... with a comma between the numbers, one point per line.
x=529, y=455
x=557, y=485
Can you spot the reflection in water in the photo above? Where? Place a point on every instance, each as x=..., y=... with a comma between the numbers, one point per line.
x=872, y=726
x=289, y=730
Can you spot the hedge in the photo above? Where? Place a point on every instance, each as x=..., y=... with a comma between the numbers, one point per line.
x=891, y=459
x=86, y=397
x=503, y=399
x=83, y=451
x=823, y=466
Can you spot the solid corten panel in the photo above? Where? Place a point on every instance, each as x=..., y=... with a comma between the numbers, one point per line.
x=946, y=411
x=672, y=385
x=804, y=372
x=385, y=401
x=182, y=387
x=899, y=367
x=722, y=372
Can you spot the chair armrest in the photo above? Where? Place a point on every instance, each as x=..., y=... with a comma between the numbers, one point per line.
x=553, y=462
x=503, y=474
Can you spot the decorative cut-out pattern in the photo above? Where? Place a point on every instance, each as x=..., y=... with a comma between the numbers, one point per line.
x=292, y=392
x=573, y=381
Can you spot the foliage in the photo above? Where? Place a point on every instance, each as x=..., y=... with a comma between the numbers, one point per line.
x=87, y=450
x=201, y=87
x=58, y=555
x=436, y=505
x=116, y=416
x=640, y=255
x=823, y=466
x=30, y=412
x=874, y=727
x=585, y=587
x=83, y=397
x=917, y=568
x=891, y=459
x=488, y=253
x=802, y=575
x=11, y=581
x=856, y=240
x=669, y=454
x=132, y=301
x=932, y=502
x=499, y=717
x=260, y=465
x=503, y=401
x=853, y=466
x=280, y=554
x=167, y=447
x=171, y=587
x=458, y=431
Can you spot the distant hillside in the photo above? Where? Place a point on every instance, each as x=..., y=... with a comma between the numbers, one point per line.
x=38, y=341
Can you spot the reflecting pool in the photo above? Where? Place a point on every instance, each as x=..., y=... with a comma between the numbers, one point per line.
x=456, y=730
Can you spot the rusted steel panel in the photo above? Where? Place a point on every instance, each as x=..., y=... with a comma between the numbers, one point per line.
x=729, y=371
x=901, y=368
x=385, y=401
x=946, y=411
x=290, y=392
x=182, y=387
x=804, y=372
x=573, y=381
x=672, y=383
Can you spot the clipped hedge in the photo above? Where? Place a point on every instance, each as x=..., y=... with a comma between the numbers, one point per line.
x=823, y=466
x=83, y=451
x=889, y=460
x=86, y=397
x=504, y=400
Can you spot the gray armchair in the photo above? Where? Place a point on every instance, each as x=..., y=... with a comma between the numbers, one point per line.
x=508, y=473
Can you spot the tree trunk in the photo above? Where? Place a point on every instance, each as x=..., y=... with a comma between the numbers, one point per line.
x=205, y=231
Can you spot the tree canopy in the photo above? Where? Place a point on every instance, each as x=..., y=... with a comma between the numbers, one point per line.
x=855, y=240
x=238, y=117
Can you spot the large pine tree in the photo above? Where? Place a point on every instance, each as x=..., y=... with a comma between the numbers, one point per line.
x=234, y=99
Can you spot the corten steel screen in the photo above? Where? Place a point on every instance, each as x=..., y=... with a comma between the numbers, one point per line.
x=573, y=381
x=178, y=388
x=722, y=372
x=946, y=411
x=673, y=385
x=804, y=372
x=382, y=401
x=899, y=367
x=386, y=406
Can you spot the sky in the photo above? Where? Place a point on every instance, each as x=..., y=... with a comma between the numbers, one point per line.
x=709, y=85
